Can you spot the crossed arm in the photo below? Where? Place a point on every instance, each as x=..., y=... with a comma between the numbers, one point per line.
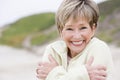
x=95, y=72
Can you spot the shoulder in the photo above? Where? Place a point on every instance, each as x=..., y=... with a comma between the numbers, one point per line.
x=58, y=46
x=97, y=43
x=97, y=46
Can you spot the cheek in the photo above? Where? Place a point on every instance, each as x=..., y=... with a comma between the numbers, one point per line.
x=65, y=35
x=91, y=34
x=88, y=35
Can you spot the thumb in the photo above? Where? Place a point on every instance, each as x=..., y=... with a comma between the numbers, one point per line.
x=90, y=61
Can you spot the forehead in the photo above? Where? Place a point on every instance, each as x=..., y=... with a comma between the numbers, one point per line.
x=78, y=20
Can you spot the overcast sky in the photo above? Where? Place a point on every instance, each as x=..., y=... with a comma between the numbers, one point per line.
x=12, y=10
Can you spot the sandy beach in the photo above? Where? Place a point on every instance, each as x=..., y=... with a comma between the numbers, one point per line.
x=17, y=64
x=20, y=64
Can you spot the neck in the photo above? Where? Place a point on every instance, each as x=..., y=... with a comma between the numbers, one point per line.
x=71, y=54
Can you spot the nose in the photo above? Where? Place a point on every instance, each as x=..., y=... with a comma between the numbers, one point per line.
x=77, y=34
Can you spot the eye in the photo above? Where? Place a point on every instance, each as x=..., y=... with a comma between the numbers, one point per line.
x=69, y=29
x=83, y=28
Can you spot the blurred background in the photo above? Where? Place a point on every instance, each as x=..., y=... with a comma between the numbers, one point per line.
x=27, y=26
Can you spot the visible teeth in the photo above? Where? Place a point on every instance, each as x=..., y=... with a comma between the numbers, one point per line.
x=77, y=43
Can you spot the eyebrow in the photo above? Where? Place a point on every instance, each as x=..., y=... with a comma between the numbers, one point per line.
x=70, y=25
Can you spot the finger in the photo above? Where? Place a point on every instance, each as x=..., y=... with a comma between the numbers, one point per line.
x=101, y=67
x=37, y=71
x=39, y=68
x=51, y=58
x=100, y=78
x=41, y=76
x=102, y=73
x=40, y=63
x=41, y=71
x=90, y=61
x=38, y=76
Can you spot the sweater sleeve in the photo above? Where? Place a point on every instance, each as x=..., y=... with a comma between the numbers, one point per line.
x=59, y=73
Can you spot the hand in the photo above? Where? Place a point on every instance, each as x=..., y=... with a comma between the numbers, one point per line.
x=96, y=72
x=45, y=67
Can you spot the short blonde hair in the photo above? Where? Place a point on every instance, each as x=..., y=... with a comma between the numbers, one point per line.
x=77, y=8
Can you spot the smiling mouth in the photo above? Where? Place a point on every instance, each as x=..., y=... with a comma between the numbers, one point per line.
x=77, y=43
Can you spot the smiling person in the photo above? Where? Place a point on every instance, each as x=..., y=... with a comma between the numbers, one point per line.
x=79, y=55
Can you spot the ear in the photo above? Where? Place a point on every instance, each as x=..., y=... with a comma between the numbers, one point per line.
x=93, y=29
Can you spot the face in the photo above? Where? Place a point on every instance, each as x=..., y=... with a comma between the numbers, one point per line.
x=77, y=34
